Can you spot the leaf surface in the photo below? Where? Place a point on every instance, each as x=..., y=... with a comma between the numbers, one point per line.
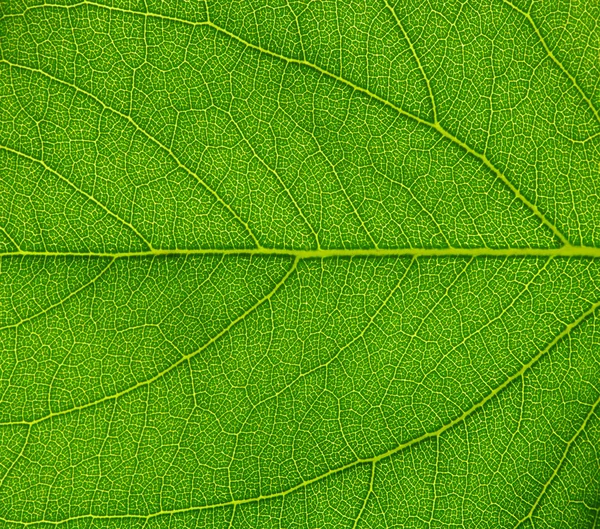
x=289, y=264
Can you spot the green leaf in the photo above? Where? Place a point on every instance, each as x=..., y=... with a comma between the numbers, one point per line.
x=299, y=264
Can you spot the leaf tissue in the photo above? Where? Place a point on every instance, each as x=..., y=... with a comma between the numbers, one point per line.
x=299, y=264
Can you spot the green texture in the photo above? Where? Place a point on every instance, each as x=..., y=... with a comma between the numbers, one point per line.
x=300, y=264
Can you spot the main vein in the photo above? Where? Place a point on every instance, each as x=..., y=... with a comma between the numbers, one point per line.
x=566, y=250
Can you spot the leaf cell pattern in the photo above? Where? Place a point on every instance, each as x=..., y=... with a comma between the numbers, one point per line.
x=299, y=264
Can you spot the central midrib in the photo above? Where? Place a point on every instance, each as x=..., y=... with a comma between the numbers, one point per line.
x=562, y=251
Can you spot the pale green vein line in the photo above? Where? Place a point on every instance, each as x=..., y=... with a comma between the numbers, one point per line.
x=368, y=495
x=10, y=239
x=230, y=524
x=277, y=177
x=62, y=301
x=352, y=205
x=562, y=251
x=297, y=23
x=164, y=372
x=19, y=456
x=87, y=196
x=364, y=461
x=424, y=319
x=337, y=177
x=435, y=482
x=435, y=126
x=142, y=131
x=416, y=57
x=486, y=161
x=553, y=57
x=418, y=202
x=333, y=357
x=505, y=309
x=561, y=462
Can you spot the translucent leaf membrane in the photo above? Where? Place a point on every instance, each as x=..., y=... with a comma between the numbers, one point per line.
x=299, y=265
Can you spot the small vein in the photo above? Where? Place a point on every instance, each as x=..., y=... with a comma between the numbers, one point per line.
x=336, y=355
x=142, y=131
x=425, y=318
x=86, y=195
x=367, y=496
x=337, y=177
x=506, y=308
x=560, y=463
x=277, y=177
x=174, y=365
x=554, y=59
x=10, y=239
x=418, y=202
x=416, y=57
x=60, y=302
x=19, y=456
